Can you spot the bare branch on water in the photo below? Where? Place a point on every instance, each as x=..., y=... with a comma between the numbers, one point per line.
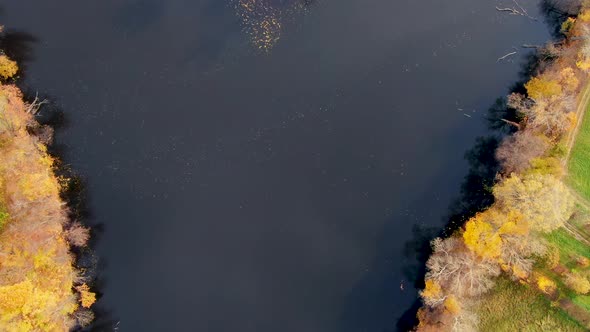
x=505, y=56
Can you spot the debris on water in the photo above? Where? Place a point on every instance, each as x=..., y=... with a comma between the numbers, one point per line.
x=467, y=115
x=262, y=21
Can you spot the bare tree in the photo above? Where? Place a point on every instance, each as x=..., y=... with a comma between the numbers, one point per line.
x=77, y=234
x=518, y=254
x=458, y=270
x=439, y=318
x=550, y=115
x=516, y=151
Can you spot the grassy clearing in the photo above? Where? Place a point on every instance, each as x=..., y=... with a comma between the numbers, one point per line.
x=579, y=163
x=569, y=250
x=569, y=247
x=498, y=311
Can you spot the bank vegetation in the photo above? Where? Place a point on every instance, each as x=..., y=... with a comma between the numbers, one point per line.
x=524, y=254
x=40, y=288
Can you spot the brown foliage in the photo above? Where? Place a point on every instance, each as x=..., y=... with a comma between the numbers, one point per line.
x=84, y=317
x=516, y=152
x=440, y=318
x=78, y=235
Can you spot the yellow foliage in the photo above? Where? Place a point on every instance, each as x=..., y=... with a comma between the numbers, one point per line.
x=36, y=270
x=46, y=160
x=431, y=290
x=583, y=63
x=26, y=306
x=87, y=298
x=519, y=272
x=568, y=79
x=514, y=224
x=544, y=201
x=452, y=305
x=582, y=261
x=38, y=185
x=546, y=166
x=567, y=25
x=538, y=88
x=584, y=15
x=8, y=68
x=573, y=119
x=546, y=285
x=481, y=238
x=552, y=258
x=577, y=283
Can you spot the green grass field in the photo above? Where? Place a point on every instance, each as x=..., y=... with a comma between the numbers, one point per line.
x=569, y=249
x=579, y=180
x=568, y=246
x=498, y=311
x=579, y=163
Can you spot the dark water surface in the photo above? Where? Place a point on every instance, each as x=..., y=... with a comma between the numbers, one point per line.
x=242, y=191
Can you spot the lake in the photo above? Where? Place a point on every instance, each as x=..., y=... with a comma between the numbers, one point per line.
x=263, y=166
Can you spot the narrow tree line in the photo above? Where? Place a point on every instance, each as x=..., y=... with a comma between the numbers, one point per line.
x=530, y=198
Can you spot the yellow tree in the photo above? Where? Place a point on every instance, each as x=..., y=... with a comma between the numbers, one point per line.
x=540, y=87
x=577, y=283
x=8, y=68
x=432, y=293
x=568, y=79
x=481, y=238
x=503, y=237
x=544, y=201
x=546, y=285
x=452, y=305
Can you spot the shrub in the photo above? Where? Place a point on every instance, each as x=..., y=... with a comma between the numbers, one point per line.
x=539, y=87
x=552, y=258
x=582, y=261
x=577, y=283
x=567, y=25
x=4, y=217
x=8, y=68
x=546, y=285
x=78, y=235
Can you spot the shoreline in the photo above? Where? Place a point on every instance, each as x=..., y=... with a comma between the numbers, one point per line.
x=41, y=286
x=516, y=249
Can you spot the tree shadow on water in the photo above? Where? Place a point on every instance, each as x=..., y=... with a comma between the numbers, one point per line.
x=476, y=189
x=75, y=194
x=475, y=197
x=18, y=45
x=379, y=293
x=555, y=12
x=372, y=302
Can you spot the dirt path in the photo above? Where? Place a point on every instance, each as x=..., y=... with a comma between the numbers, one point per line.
x=575, y=232
x=571, y=139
